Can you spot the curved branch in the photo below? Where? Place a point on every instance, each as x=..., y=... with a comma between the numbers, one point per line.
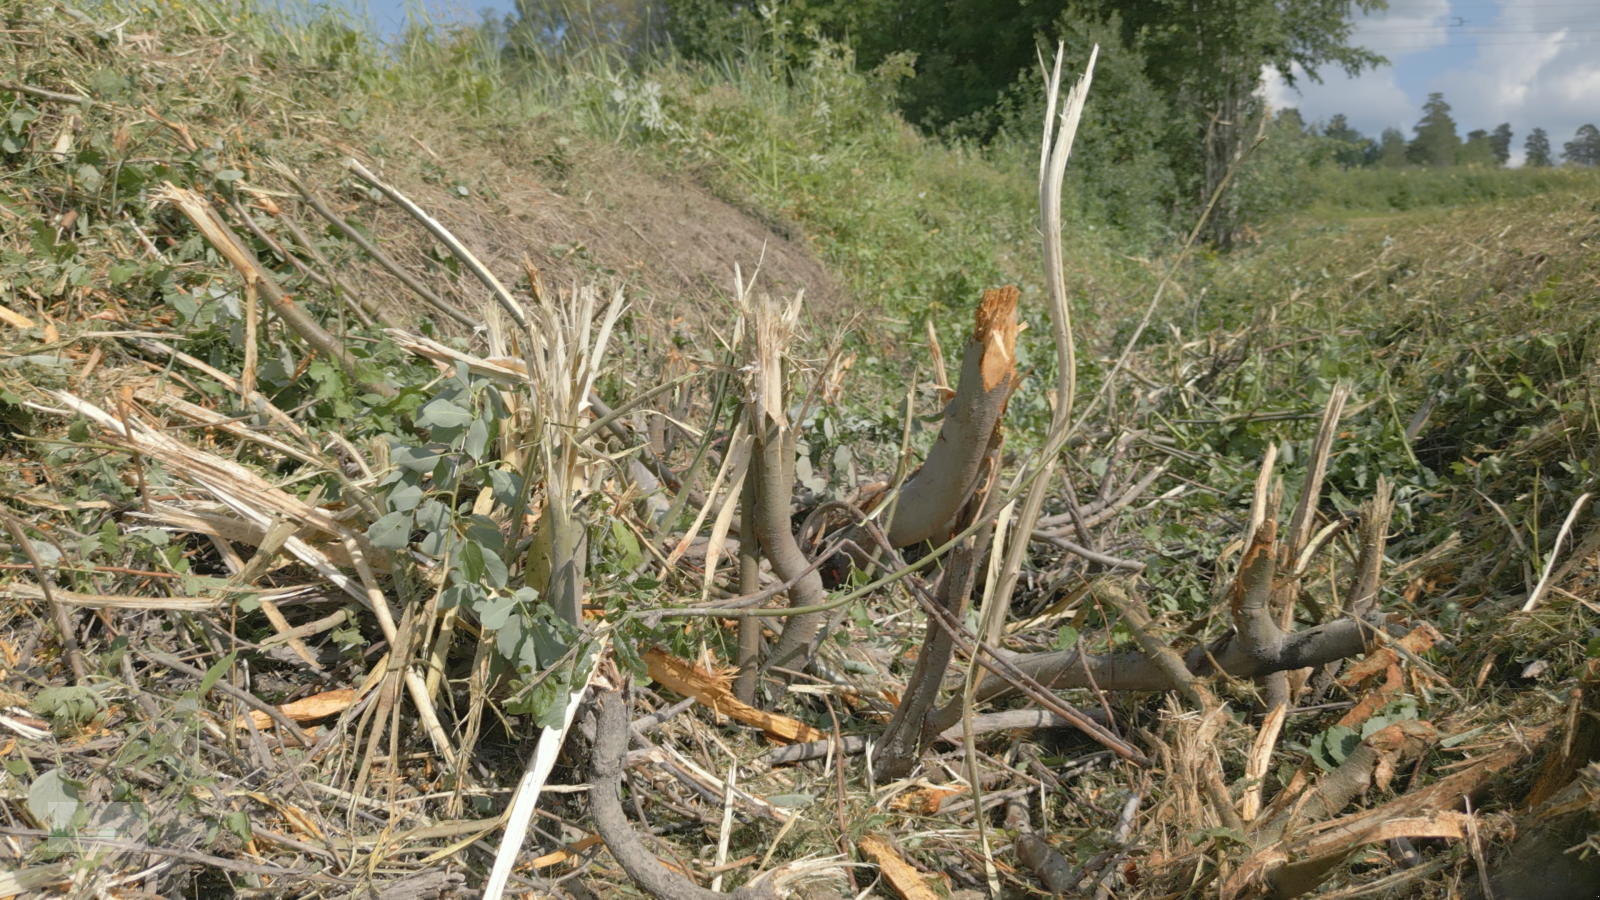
x=611, y=823
x=1134, y=671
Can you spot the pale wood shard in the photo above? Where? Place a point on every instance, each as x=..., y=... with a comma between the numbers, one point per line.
x=307, y=709
x=27, y=591
x=715, y=692
x=1260, y=761
x=567, y=852
x=996, y=330
x=15, y=319
x=901, y=875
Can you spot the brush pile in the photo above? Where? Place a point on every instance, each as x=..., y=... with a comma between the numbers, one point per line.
x=341, y=563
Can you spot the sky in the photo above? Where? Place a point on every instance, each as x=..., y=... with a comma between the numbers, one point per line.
x=1531, y=63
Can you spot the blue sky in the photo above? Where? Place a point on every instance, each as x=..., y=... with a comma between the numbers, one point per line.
x=1532, y=63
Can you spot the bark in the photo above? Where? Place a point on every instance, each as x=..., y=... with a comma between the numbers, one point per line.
x=772, y=326
x=611, y=822
x=1373, y=536
x=1054, y=872
x=774, y=485
x=1372, y=761
x=907, y=734
x=932, y=497
x=556, y=559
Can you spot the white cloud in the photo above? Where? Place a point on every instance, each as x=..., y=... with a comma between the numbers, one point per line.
x=1524, y=62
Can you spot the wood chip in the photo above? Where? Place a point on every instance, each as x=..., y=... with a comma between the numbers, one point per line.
x=567, y=852
x=309, y=709
x=924, y=801
x=905, y=879
x=714, y=691
x=15, y=319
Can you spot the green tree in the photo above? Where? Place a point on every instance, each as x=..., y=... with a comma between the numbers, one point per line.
x=1118, y=168
x=1584, y=148
x=1277, y=177
x=1500, y=142
x=1478, y=150
x=1436, y=142
x=1392, y=150
x=1537, y=148
x=1350, y=148
x=1204, y=60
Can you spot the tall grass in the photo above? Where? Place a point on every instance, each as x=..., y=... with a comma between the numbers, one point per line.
x=1339, y=192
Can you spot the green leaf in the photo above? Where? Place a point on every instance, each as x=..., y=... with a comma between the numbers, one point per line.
x=216, y=672
x=238, y=822
x=53, y=800
x=421, y=460
x=485, y=531
x=508, y=639
x=1066, y=638
x=494, y=612
x=227, y=175
x=405, y=497
x=495, y=568
x=469, y=595
x=433, y=516
x=628, y=545
x=477, y=439
x=392, y=532
x=121, y=272
x=70, y=705
x=791, y=801
x=628, y=654
x=442, y=413
x=469, y=562
x=433, y=543
x=506, y=487
x=1330, y=748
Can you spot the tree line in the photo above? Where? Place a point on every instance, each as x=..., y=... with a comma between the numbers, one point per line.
x=1177, y=101
x=1436, y=143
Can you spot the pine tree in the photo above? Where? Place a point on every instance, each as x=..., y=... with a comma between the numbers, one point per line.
x=1584, y=149
x=1436, y=142
x=1538, y=149
x=1500, y=142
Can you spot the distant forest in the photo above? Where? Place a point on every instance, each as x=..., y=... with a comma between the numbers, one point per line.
x=1436, y=143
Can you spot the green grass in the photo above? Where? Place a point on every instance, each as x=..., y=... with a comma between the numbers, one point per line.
x=1341, y=193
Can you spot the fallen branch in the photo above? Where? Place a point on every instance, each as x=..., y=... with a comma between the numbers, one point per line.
x=611, y=823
